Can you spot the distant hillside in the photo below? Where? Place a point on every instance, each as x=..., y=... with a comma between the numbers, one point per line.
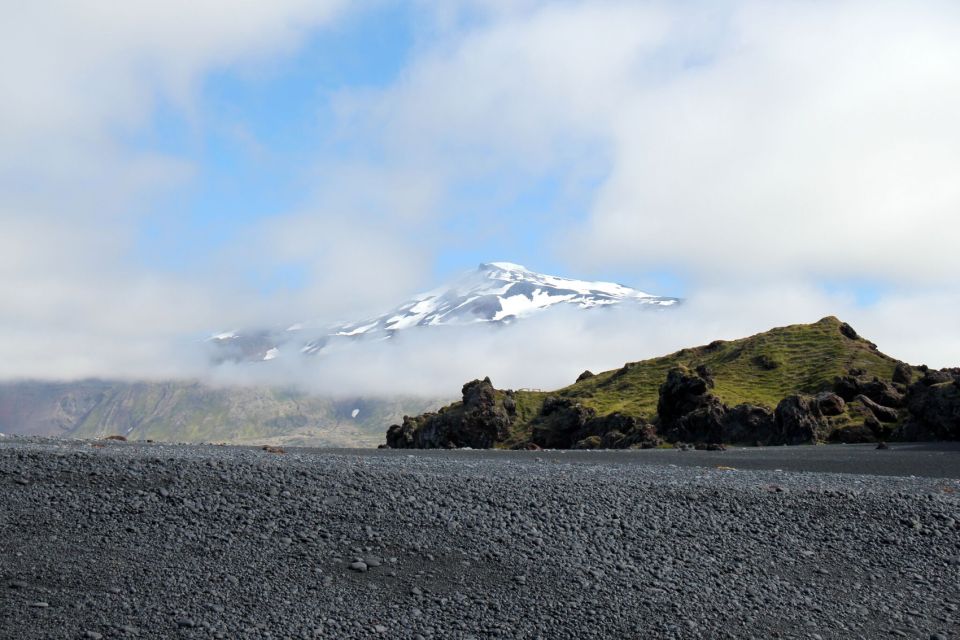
x=193, y=412
x=805, y=382
x=760, y=370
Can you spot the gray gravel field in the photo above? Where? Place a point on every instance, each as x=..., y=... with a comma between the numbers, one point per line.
x=111, y=540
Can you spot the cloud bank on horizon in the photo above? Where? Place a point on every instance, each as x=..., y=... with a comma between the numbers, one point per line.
x=166, y=172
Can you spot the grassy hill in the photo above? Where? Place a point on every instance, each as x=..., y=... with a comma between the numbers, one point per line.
x=760, y=370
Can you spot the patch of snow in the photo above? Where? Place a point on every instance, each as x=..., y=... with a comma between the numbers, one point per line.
x=355, y=413
x=424, y=306
x=520, y=305
x=226, y=335
x=271, y=353
x=358, y=330
x=404, y=322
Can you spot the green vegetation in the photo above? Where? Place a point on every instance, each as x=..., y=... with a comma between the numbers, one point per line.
x=760, y=370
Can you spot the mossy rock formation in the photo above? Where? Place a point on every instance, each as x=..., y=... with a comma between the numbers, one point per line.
x=791, y=385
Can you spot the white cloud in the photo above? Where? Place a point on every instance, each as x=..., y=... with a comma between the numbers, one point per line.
x=757, y=148
x=548, y=351
x=78, y=80
x=742, y=139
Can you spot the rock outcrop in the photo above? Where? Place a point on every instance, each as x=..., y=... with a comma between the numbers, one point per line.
x=803, y=419
x=480, y=421
x=803, y=370
x=933, y=405
x=689, y=412
x=566, y=424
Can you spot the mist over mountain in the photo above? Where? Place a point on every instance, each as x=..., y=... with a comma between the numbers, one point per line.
x=276, y=392
x=497, y=293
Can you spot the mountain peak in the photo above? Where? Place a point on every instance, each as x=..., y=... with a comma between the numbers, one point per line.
x=497, y=293
x=501, y=266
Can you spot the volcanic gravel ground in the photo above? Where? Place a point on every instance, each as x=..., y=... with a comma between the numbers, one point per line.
x=125, y=540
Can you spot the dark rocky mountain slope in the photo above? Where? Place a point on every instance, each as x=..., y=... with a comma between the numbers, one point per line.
x=185, y=411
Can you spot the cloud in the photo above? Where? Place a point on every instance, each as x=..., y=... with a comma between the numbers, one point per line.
x=742, y=139
x=78, y=81
x=757, y=149
x=549, y=350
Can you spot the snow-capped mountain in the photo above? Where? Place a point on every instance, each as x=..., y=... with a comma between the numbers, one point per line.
x=495, y=292
x=499, y=292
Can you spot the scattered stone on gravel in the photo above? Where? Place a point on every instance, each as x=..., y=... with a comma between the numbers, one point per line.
x=469, y=545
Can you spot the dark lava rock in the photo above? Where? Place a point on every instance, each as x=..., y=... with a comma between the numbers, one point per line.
x=749, y=423
x=765, y=362
x=880, y=412
x=800, y=421
x=561, y=423
x=848, y=331
x=689, y=412
x=479, y=421
x=830, y=404
x=682, y=394
x=880, y=391
x=934, y=410
x=586, y=375
x=903, y=373
x=853, y=434
x=566, y=424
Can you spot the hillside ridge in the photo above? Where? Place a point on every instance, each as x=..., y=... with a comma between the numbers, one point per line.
x=793, y=384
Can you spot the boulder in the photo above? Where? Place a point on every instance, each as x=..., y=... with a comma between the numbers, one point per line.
x=855, y=434
x=586, y=375
x=565, y=424
x=799, y=421
x=933, y=410
x=560, y=424
x=881, y=413
x=903, y=373
x=620, y=431
x=848, y=331
x=749, y=423
x=931, y=378
x=880, y=391
x=479, y=421
x=830, y=404
x=690, y=413
x=765, y=362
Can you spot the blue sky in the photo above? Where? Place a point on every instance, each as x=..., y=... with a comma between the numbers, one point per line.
x=255, y=133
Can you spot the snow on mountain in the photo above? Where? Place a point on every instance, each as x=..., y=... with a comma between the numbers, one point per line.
x=496, y=292
x=499, y=292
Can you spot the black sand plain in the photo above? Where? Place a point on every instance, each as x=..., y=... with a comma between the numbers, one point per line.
x=116, y=540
